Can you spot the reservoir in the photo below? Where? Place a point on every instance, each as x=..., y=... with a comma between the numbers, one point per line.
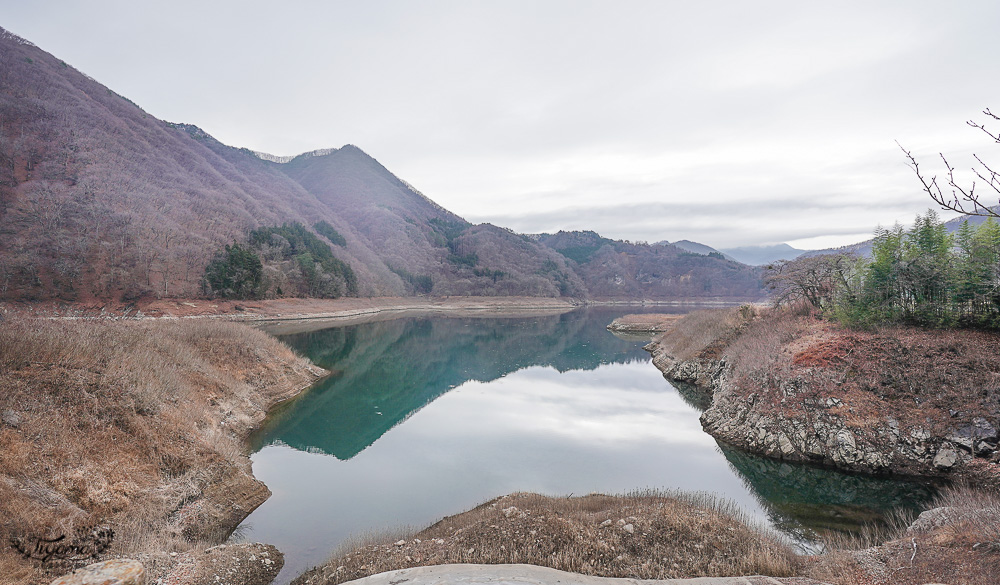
x=424, y=417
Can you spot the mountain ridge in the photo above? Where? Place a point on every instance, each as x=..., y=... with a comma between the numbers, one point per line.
x=99, y=200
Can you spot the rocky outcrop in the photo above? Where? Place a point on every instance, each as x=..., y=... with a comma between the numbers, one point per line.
x=796, y=423
x=706, y=373
x=113, y=572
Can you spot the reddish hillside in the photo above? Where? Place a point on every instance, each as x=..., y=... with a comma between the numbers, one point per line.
x=100, y=200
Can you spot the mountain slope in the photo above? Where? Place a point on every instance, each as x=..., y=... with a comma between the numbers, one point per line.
x=614, y=269
x=99, y=200
x=695, y=248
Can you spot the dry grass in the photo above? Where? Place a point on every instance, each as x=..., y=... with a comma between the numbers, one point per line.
x=956, y=541
x=704, y=334
x=131, y=425
x=757, y=354
x=642, y=535
x=964, y=516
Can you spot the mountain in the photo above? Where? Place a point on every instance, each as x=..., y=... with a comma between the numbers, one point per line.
x=760, y=255
x=615, y=269
x=100, y=200
x=694, y=248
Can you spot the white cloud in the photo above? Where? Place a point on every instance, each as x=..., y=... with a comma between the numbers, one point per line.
x=785, y=111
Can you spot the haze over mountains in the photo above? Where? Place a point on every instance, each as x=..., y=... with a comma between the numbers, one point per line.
x=751, y=255
x=100, y=200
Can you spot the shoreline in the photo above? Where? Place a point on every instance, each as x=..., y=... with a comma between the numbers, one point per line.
x=794, y=389
x=289, y=309
x=140, y=426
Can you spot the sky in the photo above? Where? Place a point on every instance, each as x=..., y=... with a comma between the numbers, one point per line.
x=727, y=123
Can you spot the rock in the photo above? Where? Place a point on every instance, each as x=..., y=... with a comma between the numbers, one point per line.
x=113, y=572
x=946, y=457
x=785, y=444
x=979, y=438
x=11, y=418
x=629, y=528
x=606, y=523
x=846, y=447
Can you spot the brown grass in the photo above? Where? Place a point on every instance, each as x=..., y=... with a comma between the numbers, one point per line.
x=641, y=535
x=704, y=334
x=956, y=541
x=131, y=425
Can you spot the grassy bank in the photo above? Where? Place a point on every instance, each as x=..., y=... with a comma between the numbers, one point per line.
x=138, y=426
x=645, y=536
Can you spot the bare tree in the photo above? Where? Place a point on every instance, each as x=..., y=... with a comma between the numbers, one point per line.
x=964, y=200
x=816, y=279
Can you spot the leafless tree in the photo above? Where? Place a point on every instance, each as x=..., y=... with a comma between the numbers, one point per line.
x=816, y=279
x=955, y=196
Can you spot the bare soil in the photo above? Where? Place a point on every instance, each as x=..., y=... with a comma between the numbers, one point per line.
x=284, y=309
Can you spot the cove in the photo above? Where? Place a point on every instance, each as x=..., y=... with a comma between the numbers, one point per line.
x=424, y=417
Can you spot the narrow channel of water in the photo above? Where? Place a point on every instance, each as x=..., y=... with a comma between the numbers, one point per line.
x=427, y=417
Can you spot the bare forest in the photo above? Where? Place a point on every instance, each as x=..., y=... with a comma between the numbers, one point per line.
x=100, y=201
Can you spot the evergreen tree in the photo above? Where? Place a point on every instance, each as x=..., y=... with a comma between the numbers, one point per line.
x=234, y=273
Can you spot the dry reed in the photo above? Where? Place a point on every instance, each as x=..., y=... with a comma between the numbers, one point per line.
x=645, y=535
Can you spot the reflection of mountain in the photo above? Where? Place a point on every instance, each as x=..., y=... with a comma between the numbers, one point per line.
x=801, y=497
x=384, y=372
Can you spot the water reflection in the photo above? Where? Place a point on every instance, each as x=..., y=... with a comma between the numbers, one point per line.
x=427, y=417
x=384, y=372
x=802, y=500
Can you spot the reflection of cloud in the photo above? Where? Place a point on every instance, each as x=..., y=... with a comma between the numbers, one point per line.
x=611, y=406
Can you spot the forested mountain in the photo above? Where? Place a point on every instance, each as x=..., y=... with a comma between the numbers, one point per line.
x=100, y=200
x=615, y=269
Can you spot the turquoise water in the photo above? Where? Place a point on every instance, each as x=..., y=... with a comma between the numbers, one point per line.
x=427, y=417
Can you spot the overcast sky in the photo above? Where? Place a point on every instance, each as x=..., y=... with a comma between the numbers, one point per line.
x=726, y=123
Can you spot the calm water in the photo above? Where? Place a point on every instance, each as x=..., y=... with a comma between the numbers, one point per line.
x=427, y=417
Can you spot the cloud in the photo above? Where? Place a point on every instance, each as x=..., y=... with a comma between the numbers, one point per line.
x=571, y=106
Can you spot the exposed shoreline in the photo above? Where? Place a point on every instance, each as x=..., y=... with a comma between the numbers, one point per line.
x=139, y=426
x=291, y=309
x=810, y=400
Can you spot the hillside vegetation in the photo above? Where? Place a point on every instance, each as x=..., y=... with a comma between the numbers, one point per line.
x=922, y=276
x=101, y=201
x=137, y=426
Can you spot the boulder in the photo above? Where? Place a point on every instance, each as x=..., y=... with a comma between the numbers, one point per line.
x=113, y=572
x=946, y=457
x=978, y=438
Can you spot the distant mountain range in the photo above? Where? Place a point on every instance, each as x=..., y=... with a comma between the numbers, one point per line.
x=100, y=200
x=750, y=255
x=865, y=248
